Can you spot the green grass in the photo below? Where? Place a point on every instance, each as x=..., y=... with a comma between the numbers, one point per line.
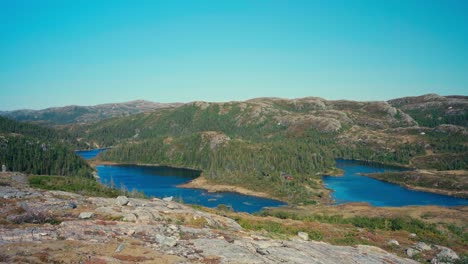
x=80, y=185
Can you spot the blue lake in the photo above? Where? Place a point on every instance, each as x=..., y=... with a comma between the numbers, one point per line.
x=352, y=187
x=160, y=181
x=89, y=154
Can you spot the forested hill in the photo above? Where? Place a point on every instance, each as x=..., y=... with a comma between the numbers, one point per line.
x=84, y=114
x=256, y=143
x=9, y=126
x=37, y=150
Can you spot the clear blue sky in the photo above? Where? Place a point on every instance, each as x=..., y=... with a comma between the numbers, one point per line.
x=55, y=53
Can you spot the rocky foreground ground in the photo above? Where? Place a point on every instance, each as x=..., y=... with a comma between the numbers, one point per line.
x=39, y=226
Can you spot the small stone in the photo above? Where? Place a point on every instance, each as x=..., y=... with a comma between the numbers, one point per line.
x=413, y=235
x=86, y=215
x=120, y=248
x=262, y=251
x=168, y=199
x=173, y=227
x=303, y=235
x=72, y=205
x=131, y=232
x=122, y=200
x=411, y=252
x=393, y=242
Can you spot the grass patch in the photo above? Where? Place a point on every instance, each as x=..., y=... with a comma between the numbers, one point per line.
x=277, y=229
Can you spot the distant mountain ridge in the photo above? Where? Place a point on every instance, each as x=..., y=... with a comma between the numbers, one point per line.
x=84, y=114
x=429, y=110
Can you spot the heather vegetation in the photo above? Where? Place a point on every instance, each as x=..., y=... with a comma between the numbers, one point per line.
x=449, y=234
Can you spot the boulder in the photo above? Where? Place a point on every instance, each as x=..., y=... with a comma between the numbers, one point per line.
x=144, y=216
x=411, y=252
x=446, y=255
x=130, y=217
x=86, y=215
x=303, y=236
x=421, y=246
x=168, y=199
x=166, y=241
x=122, y=200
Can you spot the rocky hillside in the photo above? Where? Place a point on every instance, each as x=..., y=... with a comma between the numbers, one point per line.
x=432, y=110
x=84, y=114
x=58, y=227
x=252, y=143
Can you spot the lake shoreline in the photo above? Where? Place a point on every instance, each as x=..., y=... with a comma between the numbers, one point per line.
x=419, y=188
x=379, y=192
x=95, y=163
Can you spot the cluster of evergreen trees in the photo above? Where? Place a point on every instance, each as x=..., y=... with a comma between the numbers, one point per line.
x=254, y=165
x=36, y=150
x=433, y=117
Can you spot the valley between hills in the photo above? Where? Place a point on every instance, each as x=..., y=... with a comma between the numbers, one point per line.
x=267, y=147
